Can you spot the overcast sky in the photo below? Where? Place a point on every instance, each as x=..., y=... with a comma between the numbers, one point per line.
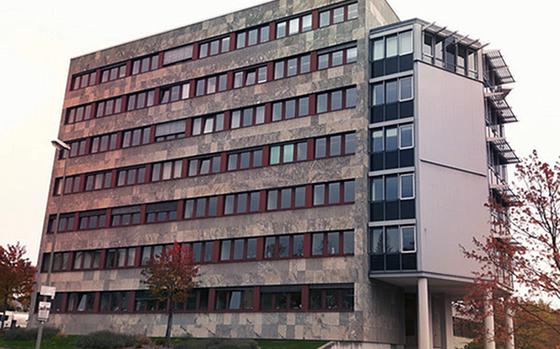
x=38, y=38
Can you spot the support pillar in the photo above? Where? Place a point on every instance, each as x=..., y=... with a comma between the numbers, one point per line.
x=510, y=341
x=424, y=332
x=489, y=333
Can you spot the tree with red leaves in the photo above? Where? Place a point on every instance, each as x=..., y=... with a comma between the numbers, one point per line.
x=16, y=277
x=522, y=249
x=170, y=278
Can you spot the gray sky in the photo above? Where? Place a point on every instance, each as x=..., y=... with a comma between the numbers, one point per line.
x=39, y=38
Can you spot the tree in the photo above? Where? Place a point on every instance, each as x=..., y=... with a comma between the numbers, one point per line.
x=170, y=277
x=16, y=277
x=523, y=248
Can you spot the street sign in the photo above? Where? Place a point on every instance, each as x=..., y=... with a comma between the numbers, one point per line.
x=44, y=310
x=48, y=291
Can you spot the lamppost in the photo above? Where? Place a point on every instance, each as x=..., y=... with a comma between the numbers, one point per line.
x=61, y=147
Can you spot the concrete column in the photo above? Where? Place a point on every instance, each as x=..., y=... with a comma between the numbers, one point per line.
x=489, y=333
x=423, y=315
x=448, y=310
x=510, y=341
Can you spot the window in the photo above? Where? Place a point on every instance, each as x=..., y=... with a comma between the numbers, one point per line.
x=335, y=57
x=338, y=15
x=144, y=301
x=108, y=107
x=98, y=181
x=235, y=299
x=136, y=137
x=378, y=49
x=245, y=160
x=405, y=88
x=336, y=100
x=120, y=258
x=281, y=298
x=392, y=240
x=283, y=198
x=77, y=114
x=81, y=302
x=331, y=299
x=391, y=92
x=214, y=47
x=252, y=37
x=170, y=130
x=378, y=94
x=125, y=216
x=405, y=43
x=208, y=124
x=293, y=26
x=353, y=11
x=84, y=80
x=113, y=73
x=377, y=189
x=204, y=166
x=174, y=93
x=145, y=64
x=392, y=46
x=114, y=302
x=377, y=241
x=306, y=23
x=249, y=77
x=103, y=143
x=377, y=143
x=161, y=212
x=408, y=238
x=406, y=137
x=281, y=30
x=177, y=54
x=407, y=186
x=86, y=260
x=324, y=19
x=131, y=176
x=92, y=219
x=317, y=244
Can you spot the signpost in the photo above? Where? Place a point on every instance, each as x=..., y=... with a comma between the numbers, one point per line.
x=47, y=292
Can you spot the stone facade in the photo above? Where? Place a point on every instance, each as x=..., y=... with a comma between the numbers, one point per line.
x=378, y=309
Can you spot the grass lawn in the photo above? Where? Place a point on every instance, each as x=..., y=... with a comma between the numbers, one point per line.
x=67, y=342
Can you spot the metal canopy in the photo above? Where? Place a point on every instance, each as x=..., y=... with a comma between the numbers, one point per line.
x=498, y=66
x=505, y=150
x=501, y=106
x=443, y=31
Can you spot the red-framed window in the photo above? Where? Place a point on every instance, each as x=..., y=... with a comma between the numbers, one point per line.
x=295, y=25
x=175, y=93
x=234, y=299
x=292, y=66
x=284, y=246
x=79, y=113
x=338, y=14
x=197, y=300
x=214, y=47
x=178, y=54
x=87, y=260
x=81, y=302
x=167, y=170
x=334, y=145
x=242, y=249
x=243, y=160
x=66, y=223
x=84, y=80
x=252, y=37
x=131, y=176
x=201, y=207
x=327, y=298
x=61, y=261
x=204, y=166
x=72, y=185
x=246, y=117
x=242, y=203
x=92, y=219
x=139, y=136
x=113, y=73
x=104, y=143
x=333, y=193
x=288, y=153
x=140, y=100
x=208, y=124
x=286, y=198
x=145, y=64
x=290, y=108
x=124, y=216
x=161, y=212
x=336, y=100
x=109, y=107
x=251, y=76
x=98, y=181
x=114, y=302
x=281, y=298
x=334, y=57
x=332, y=243
x=120, y=258
x=170, y=130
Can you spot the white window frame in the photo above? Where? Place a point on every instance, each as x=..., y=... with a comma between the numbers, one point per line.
x=401, y=99
x=382, y=189
x=401, y=237
x=382, y=55
x=401, y=34
x=396, y=37
x=411, y=126
x=413, y=186
x=382, y=131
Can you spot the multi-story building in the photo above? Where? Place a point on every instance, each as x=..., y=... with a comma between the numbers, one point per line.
x=323, y=160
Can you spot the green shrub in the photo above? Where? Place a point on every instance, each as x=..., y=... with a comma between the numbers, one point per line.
x=217, y=344
x=105, y=340
x=23, y=334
